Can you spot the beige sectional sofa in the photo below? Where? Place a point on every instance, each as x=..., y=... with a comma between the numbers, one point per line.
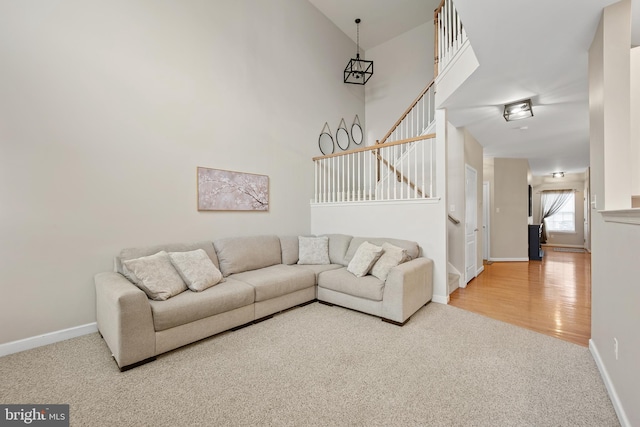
x=262, y=276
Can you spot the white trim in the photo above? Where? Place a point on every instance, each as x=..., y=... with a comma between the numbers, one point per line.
x=486, y=220
x=480, y=270
x=429, y=200
x=46, y=339
x=450, y=64
x=617, y=405
x=440, y=299
x=560, y=245
x=509, y=259
x=624, y=216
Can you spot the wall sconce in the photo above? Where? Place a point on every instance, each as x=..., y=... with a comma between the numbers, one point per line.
x=358, y=71
x=558, y=174
x=518, y=110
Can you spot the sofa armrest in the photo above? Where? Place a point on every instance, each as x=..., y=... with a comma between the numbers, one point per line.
x=409, y=286
x=124, y=319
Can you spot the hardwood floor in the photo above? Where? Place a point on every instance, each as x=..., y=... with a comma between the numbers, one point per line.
x=552, y=296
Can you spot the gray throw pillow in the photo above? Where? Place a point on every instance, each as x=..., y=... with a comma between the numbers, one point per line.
x=364, y=258
x=156, y=276
x=196, y=269
x=313, y=250
x=392, y=257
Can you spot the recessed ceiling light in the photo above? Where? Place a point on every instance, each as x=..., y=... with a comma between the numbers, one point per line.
x=558, y=174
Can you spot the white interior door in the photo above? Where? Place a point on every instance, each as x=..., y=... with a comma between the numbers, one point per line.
x=471, y=222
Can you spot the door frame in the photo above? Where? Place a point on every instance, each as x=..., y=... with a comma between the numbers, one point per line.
x=486, y=223
x=471, y=219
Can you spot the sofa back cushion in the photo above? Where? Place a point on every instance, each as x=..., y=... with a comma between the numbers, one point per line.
x=239, y=254
x=133, y=253
x=338, y=245
x=289, y=246
x=412, y=248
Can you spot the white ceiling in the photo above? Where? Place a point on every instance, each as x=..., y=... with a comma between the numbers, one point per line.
x=534, y=50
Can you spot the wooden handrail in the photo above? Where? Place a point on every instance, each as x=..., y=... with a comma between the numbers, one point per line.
x=413, y=104
x=377, y=146
x=454, y=220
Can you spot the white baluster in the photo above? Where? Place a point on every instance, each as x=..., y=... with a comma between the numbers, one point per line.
x=395, y=187
x=415, y=168
x=344, y=176
x=424, y=176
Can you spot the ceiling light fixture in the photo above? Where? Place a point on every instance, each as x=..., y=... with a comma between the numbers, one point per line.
x=518, y=110
x=358, y=71
x=558, y=174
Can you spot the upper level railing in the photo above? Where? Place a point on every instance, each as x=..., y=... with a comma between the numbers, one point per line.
x=365, y=174
x=416, y=119
x=450, y=35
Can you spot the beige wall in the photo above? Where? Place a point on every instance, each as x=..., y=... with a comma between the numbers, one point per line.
x=107, y=108
x=610, y=104
x=462, y=150
x=509, y=208
x=403, y=66
x=614, y=262
x=456, y=198
x=574, y=182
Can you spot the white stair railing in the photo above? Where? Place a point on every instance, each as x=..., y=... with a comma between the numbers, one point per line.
x=416, y=119
x=450, y=35
x=365, y=174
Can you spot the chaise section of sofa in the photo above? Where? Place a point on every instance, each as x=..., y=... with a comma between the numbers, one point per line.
x=407, y=287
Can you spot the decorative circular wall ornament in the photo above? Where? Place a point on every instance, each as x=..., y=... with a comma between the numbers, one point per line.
x=325, y=140
x=356, y=131
x=342, y=136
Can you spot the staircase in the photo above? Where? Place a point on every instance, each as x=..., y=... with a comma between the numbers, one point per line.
x=453, y=281
x=397, y=187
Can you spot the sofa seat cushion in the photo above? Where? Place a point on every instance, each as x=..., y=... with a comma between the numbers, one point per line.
x=190, y=306
x=277, y=280
x=343, y=281
x=317, y=269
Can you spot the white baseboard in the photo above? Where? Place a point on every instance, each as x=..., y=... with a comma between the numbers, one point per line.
x=480, y=270
x=617, y=405
x=558, y=245
x=50, y=338
x=509, y=259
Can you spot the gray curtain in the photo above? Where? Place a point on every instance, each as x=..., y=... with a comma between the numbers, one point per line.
x=551, y=201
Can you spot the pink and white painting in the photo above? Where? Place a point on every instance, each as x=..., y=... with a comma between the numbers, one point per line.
x=221, y=190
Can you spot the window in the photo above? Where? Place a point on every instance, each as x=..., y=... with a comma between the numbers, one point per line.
x=564, y=220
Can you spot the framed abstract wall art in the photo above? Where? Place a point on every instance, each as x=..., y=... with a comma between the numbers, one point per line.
x=222, y=190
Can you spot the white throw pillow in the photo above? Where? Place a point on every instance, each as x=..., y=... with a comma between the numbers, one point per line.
x=156, y=276
x=196, y=269
x=313, y=250
x=364, y=258
x=392, y=257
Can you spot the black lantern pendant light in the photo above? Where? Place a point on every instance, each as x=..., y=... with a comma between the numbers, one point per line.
x=358, y=71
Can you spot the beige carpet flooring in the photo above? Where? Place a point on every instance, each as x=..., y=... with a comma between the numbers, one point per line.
x=326, y=366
